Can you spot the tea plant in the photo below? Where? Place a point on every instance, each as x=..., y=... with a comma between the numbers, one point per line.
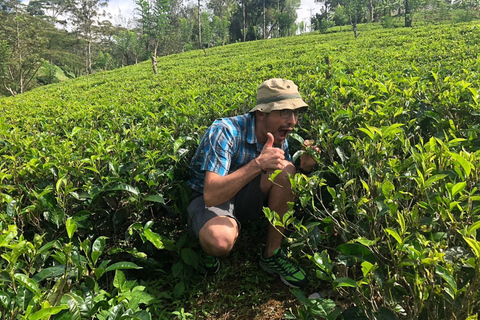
x=92, y=177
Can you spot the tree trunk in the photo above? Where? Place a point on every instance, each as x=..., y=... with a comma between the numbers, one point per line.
x=328, y=73
x=354, y=25
x=154, y=61
x=244, y=21
x=89, y=56
x=370, y=8
x=20, y=65
x=264, y=25
x=278, y=24
x=408, y=18
x=199, y=27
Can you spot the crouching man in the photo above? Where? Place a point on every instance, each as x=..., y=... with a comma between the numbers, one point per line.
x=229, y=178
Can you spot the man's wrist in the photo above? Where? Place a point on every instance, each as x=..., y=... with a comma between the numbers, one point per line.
x=258, y=165
x=303, y=171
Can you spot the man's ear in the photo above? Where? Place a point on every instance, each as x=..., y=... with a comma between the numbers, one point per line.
x=260, y=115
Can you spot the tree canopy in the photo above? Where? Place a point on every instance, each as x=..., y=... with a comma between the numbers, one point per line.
x=70, y=38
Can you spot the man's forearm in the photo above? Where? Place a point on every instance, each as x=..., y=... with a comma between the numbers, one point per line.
x=218, y=189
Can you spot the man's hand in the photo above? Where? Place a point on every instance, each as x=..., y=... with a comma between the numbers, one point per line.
x=271, y=158
x=308, y=158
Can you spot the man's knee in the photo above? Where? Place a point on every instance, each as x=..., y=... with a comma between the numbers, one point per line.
x=218, y=236
x=283, y=178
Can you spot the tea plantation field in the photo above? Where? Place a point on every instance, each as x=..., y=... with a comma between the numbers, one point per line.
x=93, y=198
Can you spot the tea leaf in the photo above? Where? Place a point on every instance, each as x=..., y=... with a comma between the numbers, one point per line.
x=119, y=279
x=459, y=187
x=97, y=248
x=155, y=198
x=474, y=245
x=445, y=274
x=51, y=272
x=154, y=238
x=189, y=257
x=394, y=234
x=124, y=187
x=466, y=165
x=434, y=179
x=344, y=282
x=358, y=251
x=71, y=227
x=125, y=265
x=45, y=313
x=471, y=230
x=28, y=283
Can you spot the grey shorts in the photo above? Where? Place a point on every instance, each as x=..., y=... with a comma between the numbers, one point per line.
x=245, y=206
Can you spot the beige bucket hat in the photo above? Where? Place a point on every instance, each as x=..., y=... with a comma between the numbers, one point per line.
x=278, y=94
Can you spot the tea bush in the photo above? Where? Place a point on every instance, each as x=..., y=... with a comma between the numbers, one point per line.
x=92, y=177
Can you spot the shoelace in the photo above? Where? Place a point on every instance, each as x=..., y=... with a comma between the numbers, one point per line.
x=284, y=263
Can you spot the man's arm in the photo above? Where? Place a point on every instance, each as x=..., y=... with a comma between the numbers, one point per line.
x=307, y=160
x=218, y=189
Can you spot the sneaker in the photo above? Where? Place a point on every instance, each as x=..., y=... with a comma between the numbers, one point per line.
x=291, y=274
x=209, y=263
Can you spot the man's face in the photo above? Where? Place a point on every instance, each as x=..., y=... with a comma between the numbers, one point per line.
x=279, y=123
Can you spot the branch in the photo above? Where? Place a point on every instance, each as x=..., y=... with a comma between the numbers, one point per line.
x=33, y=75
x=10, y=90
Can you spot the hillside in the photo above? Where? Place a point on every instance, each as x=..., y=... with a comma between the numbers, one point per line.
x=92, y=175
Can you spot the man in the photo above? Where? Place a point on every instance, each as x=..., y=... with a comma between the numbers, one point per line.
x=230, y=172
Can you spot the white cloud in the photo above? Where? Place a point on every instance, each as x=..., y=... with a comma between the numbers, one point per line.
x=126, y=9
x=307, y=9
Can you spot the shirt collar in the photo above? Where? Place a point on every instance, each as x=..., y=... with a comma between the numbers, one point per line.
x=251, y=137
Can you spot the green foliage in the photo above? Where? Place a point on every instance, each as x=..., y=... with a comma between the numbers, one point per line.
x=92, y=177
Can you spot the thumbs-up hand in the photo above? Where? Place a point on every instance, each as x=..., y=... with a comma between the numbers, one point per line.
x=271, y=158
x=269, y=142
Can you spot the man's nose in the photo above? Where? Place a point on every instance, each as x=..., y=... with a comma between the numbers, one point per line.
x=292, y=119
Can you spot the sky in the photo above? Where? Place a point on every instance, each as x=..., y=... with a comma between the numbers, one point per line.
x=126, y=8
x=307, y=9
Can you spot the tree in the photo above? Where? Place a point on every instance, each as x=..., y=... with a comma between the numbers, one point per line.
x=85, y=14
x=154, y=23
x=355, y=10
x=321, y=22
x=65, y=50
x=252, y=22
x=186, y=28
x=4, y=60
x=222, y=11
x=35, y=8
x=220, y=30
x=129, y=47
x=9, y=6
x=50, y=9
x=286, y=15
x=408, y=17
x=22, y=47
x=104, y=61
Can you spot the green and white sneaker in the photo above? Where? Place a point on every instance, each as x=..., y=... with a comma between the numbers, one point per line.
x=209, y=264
x=291, y=274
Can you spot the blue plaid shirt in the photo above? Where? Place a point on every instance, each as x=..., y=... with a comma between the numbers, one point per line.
x=227, y=145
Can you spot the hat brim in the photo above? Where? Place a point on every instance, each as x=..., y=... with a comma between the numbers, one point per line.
x=290, y=104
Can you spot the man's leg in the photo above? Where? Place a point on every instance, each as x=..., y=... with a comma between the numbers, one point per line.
x=273, y=259
x=279, y=194
x=215, y=227
x=218, y=236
